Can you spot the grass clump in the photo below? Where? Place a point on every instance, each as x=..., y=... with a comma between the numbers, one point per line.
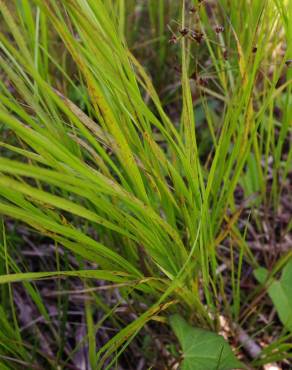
x=169, y=190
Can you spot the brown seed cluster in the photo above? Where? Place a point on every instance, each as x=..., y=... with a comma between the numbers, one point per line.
x=173, y=39
x=184, y=32
x=194, y=35
x=197, y=36
x=219, y=29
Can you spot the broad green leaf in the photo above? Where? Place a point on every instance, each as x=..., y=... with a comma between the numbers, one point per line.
x=280, y=292
x=203, y=349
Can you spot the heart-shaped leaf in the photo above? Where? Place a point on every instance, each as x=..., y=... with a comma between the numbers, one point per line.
x=203, y=349
x=280, y=292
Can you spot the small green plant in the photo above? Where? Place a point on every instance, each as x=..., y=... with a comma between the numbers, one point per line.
x=280, y=292
x=94, y=161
